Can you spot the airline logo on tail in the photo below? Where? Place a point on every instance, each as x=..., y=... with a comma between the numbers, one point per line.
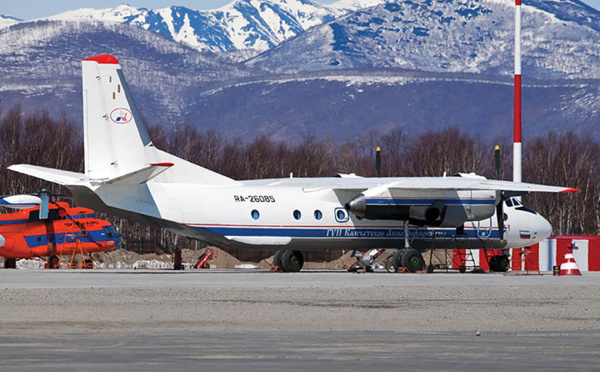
x=121, y=116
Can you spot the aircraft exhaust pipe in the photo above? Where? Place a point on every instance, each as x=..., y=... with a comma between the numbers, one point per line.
x=434, y=212
x=357, y=206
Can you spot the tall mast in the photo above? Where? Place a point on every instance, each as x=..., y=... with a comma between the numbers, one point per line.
x=517, y=146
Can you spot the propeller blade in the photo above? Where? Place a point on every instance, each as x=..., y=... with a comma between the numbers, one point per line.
x=378, y=161
x=500, y=217
x=497, y=158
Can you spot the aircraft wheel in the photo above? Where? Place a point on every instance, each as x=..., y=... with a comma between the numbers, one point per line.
x=499, y=263
x=389, y=264
x=53, y=262
x=462, y=269
x=277, y=258
x=413, y=260
x=292, y=261
x=10, y=263
x=397, y=259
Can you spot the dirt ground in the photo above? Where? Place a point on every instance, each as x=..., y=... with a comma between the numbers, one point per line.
x=220, y=259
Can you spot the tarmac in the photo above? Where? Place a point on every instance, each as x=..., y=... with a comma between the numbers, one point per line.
x=250, y=320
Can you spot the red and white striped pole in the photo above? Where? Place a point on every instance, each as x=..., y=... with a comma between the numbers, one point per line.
x=517, y=106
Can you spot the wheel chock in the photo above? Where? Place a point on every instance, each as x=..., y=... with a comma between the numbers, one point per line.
x=403, y=270
x=276, y=269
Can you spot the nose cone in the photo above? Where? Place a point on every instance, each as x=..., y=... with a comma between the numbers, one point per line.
x=526, y=228
x=544, y=229
x=539, y=229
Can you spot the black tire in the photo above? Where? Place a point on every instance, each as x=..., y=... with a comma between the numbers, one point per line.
x=10, y=263
x=277, y=259
x=389, y=264
x=413, y=260
x=397, y=259
x=292, y=261
x=53, y=262
x=499, y=264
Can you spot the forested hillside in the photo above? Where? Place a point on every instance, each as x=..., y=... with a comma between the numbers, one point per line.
x=565, y=159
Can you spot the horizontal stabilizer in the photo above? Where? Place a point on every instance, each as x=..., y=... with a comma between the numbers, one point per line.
x=141, y=175
x=60, y=177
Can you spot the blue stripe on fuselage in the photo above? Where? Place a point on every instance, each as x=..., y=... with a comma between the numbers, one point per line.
x=344, y=232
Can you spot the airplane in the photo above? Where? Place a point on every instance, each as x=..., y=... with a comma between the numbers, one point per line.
x=126, y=175
x=65, y=231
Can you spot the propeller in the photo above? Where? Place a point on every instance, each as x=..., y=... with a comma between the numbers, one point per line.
x=378, y=161
x=500, y=205
x=497, y=158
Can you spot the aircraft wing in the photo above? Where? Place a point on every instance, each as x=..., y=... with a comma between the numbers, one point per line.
x=431, y=183
x=60, y=177
x=459, y=183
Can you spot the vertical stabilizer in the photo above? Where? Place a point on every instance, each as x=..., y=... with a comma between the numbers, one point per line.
x=116, y=140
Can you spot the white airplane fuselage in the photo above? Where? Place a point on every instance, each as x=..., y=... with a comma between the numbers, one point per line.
x=286, y=214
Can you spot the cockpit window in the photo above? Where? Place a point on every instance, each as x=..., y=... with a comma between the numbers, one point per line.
x=526, y=209
x=509, y=203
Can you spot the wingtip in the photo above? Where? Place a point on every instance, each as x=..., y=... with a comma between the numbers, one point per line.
x=570, y=190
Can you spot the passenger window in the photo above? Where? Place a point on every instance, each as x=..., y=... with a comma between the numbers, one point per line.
x=255, y=215
x=318, y=215
x=297, y=214
x=340, y=215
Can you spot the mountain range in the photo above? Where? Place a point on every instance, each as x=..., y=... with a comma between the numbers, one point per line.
x=285, y=68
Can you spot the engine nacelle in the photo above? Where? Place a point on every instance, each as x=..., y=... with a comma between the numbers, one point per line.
x=448, y=208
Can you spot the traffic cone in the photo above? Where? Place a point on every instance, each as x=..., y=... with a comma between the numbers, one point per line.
x=569, y=267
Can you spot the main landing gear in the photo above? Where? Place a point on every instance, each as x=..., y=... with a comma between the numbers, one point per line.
x=289, y=261
x=410, y=258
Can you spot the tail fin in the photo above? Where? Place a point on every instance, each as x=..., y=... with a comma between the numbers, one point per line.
x=116, y=142
x=115, y=137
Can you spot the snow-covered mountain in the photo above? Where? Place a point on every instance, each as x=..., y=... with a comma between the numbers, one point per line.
x=415, y=64
x=560, y=39
x=41, y=66
x=242, y=24
x=6, y=21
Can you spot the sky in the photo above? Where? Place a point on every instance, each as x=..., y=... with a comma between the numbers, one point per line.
x=30, y=9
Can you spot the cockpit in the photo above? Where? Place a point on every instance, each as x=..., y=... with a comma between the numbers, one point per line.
x=516, y=204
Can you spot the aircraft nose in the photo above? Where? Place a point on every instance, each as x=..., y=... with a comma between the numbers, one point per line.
x=543, y=228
